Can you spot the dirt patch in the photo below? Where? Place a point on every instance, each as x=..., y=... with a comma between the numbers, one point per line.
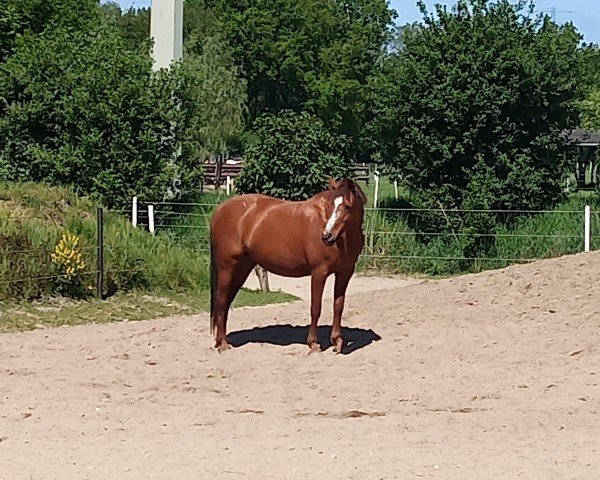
x=494, y=375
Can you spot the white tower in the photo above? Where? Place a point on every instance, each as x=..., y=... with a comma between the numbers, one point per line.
x=166, y=29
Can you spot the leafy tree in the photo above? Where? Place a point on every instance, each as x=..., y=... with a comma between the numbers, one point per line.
x=134, y=24
x=213, y=95
x=213, y=98
x=589, y=86
x=479, y=107
x=308, y=55
x=293, y=156
x=591, y=111
x=84, y=110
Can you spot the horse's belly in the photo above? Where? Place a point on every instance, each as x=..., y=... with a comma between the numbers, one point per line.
x=285, y=266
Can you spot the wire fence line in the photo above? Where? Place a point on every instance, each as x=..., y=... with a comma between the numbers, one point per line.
x=387, y=244
x=191, y=226
x=378, y=209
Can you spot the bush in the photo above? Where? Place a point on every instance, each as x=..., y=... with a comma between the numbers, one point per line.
x=480, y=107
x=48, y=247
x=85, y=111
x=292, y=157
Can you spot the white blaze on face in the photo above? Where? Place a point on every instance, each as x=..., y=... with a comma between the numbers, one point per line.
x=334, y=216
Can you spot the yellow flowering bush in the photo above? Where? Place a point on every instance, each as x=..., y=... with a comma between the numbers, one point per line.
x=68, y=259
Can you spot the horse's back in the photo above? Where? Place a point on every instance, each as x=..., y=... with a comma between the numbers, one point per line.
x=229, y=218
x=234, y=208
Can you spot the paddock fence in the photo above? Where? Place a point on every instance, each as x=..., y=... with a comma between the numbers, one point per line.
x=398, y=239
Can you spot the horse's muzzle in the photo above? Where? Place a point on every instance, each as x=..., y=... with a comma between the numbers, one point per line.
x=329, y=239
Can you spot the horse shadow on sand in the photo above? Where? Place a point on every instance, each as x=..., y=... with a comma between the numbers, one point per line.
x=286, y=335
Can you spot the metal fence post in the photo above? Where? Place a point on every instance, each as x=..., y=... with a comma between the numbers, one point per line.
x=151, y=226
x=100, y=254
x=134, y=211
x=587, y=228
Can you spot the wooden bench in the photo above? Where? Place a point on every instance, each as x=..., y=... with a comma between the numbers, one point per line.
x=216, y=173
x=361, y=172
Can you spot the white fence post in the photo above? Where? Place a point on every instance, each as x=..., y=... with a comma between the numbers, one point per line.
x=228, y=184
x=587, y=228
x=134, y=211
x=151, y=219
x=376, y=198
x=396, y=188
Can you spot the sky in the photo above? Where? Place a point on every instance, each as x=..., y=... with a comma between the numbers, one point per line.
x=585, y=14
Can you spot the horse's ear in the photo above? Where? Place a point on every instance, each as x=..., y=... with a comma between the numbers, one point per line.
x=333, y=185
x=359, y=193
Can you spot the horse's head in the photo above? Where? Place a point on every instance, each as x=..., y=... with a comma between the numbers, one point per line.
x=343, y=206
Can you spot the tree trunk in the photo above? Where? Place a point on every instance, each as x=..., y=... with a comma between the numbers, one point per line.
x=263, y=278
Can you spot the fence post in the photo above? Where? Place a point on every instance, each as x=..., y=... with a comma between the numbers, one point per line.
x=228, y=184
x=134, y=211
x=263, y=278
x=587, y=228
x=100, y=254
x=151, y=219
x=376, y=198
x=396, y=188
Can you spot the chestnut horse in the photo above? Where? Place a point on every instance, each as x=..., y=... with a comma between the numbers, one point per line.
x=316, y=237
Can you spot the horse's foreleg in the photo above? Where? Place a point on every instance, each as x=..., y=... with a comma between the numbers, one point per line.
x=317, y=284
x=341, y=284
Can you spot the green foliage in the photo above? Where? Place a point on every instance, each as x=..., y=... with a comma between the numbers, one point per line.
x=479, y=106
x=308, y=55
x=84, y=110
x=588, y=73
x=213, y=96
x=393, y=245
x=293, y=157
x=33, y=220
x=590, y=107
x=134, y=24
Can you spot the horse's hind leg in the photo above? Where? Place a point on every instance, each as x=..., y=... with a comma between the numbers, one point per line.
x=221, y=307
x=230, y=281
x=243, y=270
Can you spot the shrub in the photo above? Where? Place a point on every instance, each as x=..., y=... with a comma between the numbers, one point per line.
x=292, y=157
x=479, y=110
x=84, y=110
x=48, y=247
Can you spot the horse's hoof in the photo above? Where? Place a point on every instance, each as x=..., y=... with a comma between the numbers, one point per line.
x=314, y=348
x=223, y=347
x=338, y=345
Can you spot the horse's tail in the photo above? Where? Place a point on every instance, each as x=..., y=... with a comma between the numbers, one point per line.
x=213, y=286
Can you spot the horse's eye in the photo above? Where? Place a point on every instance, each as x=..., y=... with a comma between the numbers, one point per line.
x=347, y=207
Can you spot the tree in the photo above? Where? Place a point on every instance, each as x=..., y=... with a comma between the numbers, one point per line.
x=134, y=24
x=308, y=55
x=213, y=98
x=591, y=111
x=589, y=86
x=292, y=157
x=480, y=106
x=84, y=110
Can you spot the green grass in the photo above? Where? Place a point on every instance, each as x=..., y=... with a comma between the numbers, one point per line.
x=392, y=246
x=132, y=306
x=145, y=276
x=33, y=219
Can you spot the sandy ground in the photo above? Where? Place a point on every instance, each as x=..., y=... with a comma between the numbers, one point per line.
x=483, y=376
x=300, y=287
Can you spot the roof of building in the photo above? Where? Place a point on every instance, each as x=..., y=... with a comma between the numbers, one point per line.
x=584, y=138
